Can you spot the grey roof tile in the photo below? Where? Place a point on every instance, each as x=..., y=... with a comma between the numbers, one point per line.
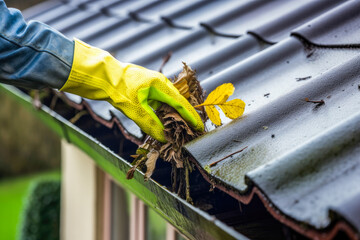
x=249, y=15
x=293, y=123
x=107, y=112
x=124, y=8
x=338, y=27
x=302, y=158
x=210, y=60
x=348, y=209
x=315, y=176
x=205, y=10
x=153, y=10
x=276, y=70
x=127, y=123
x=56, y=14
x=32, y=12
x=77, y=19
x=134, y=42
x=191, y=45
x=100, y=108
x=75, y=98
x=279, y=28
x=101, y=29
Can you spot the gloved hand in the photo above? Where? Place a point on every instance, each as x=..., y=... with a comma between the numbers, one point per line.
x=95, y=74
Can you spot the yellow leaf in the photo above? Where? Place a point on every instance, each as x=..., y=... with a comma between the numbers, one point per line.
x=213, y=114
x=233, y=109
x=219, y=95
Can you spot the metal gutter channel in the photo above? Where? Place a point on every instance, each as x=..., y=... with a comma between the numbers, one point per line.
x=190, y=221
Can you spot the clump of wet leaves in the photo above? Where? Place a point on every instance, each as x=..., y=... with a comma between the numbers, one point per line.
x=177, y=133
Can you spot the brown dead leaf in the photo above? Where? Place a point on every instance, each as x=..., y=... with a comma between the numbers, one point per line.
x=188, y=85
x=152, y=157
x=130, y=173
x=183, y=87
x=140, y=158
x=182, y=81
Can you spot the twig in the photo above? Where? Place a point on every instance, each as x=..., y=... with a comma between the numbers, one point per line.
x=181, y=182
x=302, y=78
x=321, y=102
x=121, y=146
x=187, y=182
x=214, y=163
x=174, y=176
x=130, y=173
x=77, y=116
x=165, y=60
x=310, y=54
x=53, y=101
x=36, y=100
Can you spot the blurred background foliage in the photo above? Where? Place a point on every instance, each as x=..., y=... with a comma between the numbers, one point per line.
x=29, y=152
x=41, y=213
x=26, y=144
x=13, y=199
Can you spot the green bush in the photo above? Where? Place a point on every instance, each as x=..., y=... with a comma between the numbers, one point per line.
x=27, y=144
x=41, y=216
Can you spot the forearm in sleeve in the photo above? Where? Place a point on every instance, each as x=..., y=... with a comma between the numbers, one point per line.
x=32, y=55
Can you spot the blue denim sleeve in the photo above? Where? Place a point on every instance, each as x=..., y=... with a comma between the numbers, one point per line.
x=32, y=55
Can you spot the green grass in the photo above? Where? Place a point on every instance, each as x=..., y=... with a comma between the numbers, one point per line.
x=12, y=195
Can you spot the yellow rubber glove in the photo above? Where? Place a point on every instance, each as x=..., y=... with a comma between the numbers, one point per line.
x=95, y=74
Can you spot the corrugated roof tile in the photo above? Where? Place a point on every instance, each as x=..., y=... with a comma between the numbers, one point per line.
x=278, y=28
x=338, y=27
x=192, y=45
x=301, y=171
x=249, y=15
x=32, y=12
x=277, y=70
x=302, y=157
x=188, y=18
x=55, y=14
x=349, y=209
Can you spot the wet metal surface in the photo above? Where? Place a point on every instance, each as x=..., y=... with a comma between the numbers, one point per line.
x=302, y=158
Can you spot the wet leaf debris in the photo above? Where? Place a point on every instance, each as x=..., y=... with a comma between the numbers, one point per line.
x=177, y=131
